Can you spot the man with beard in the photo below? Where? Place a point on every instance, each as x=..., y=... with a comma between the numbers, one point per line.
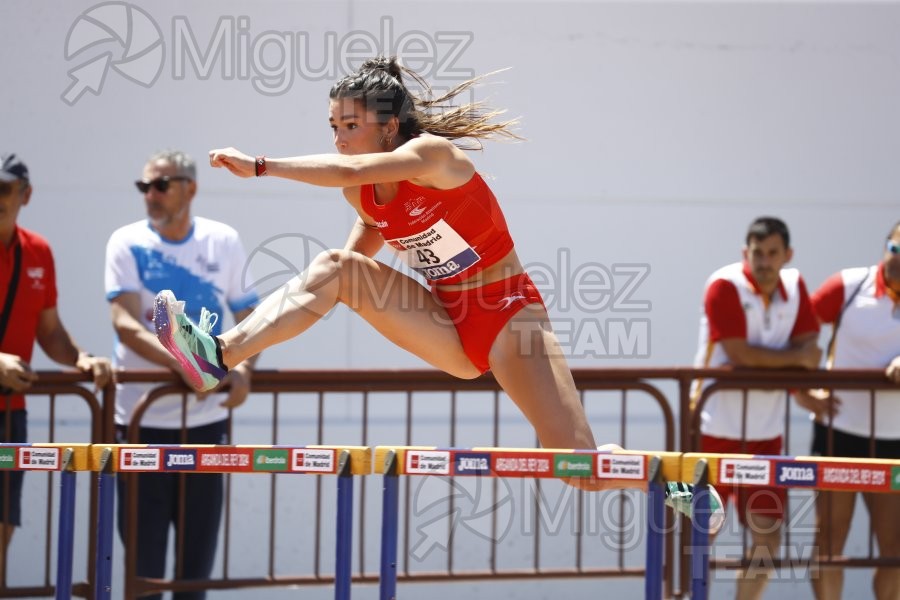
x=756, y=314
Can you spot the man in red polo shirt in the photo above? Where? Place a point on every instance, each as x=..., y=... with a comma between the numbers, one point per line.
x=756, y=314
x=27, y=313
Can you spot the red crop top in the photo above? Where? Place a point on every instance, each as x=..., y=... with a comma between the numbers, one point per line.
x=446, y=236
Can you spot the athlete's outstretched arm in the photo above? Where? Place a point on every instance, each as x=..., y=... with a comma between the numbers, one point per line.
x=425, y=157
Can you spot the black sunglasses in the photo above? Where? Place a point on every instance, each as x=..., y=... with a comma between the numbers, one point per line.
x=160, y=183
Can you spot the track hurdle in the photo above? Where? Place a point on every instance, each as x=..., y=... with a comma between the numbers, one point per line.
x=748, y=470
x=625, y=466
x=67, y=459
x=342, y=461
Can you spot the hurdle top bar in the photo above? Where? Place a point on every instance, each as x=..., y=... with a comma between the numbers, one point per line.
x=44, y=457
x=155, y=458
x=811, y=472
x=526, y=462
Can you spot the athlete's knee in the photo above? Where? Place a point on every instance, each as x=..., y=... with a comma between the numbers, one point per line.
x=331, y=264
x=344, y=269
x=331, y=260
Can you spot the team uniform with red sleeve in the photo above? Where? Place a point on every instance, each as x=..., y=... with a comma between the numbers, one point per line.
x=35, y=292
x=735, y=308
x=447, y=236
x=867, y=337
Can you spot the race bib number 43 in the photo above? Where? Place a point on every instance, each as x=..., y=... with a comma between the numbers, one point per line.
x=436, y=253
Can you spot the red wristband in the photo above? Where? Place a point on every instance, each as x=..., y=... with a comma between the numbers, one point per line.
x=261, y=166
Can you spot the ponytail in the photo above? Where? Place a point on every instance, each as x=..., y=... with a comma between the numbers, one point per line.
x=379, y=82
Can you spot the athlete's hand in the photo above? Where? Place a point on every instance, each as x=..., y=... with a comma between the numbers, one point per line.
x=234, y=160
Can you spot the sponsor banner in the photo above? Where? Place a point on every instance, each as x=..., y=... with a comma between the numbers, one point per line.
x=745, y=471
x=793, y=474
x=427, y=462
x=523, y=464
x=313, y=460
x=573, y=465
x=895, y=478
x=225, y=460
x=7, y=458
x=180, y=460
x=854, y=476
x=621, y=467
x=139, y=459
x=471, y=463
x=39, y=458
x=270, y=460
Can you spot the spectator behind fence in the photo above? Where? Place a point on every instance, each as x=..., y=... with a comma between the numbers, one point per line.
x=863, y=306
x=756, y=314
x=205, y=260
x=28, y=299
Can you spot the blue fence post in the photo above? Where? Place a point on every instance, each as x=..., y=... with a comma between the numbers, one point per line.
x=700, y=533
x=343, y=563
x=66, y=533
x=106, y=487
x=653, y=584
x=389, y=522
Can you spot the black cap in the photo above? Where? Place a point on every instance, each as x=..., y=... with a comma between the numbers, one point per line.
x=12, y=168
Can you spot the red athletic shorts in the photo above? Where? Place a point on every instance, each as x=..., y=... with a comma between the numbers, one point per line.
x=764, y=501
x=479, y=314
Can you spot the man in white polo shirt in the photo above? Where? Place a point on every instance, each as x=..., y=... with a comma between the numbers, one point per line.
x=756, y=314
x=205, y=261
x=863, y=306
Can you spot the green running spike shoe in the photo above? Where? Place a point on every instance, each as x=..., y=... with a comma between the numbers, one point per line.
x=680, y=495
x=190, y=343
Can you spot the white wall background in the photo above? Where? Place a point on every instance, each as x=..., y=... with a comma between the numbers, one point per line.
x=656, y=133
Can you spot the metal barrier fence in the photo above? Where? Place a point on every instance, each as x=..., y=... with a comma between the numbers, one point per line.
x=363, y=395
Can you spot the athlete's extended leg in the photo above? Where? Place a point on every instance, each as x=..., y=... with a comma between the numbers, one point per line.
x=529, y=364
x=396, y=305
